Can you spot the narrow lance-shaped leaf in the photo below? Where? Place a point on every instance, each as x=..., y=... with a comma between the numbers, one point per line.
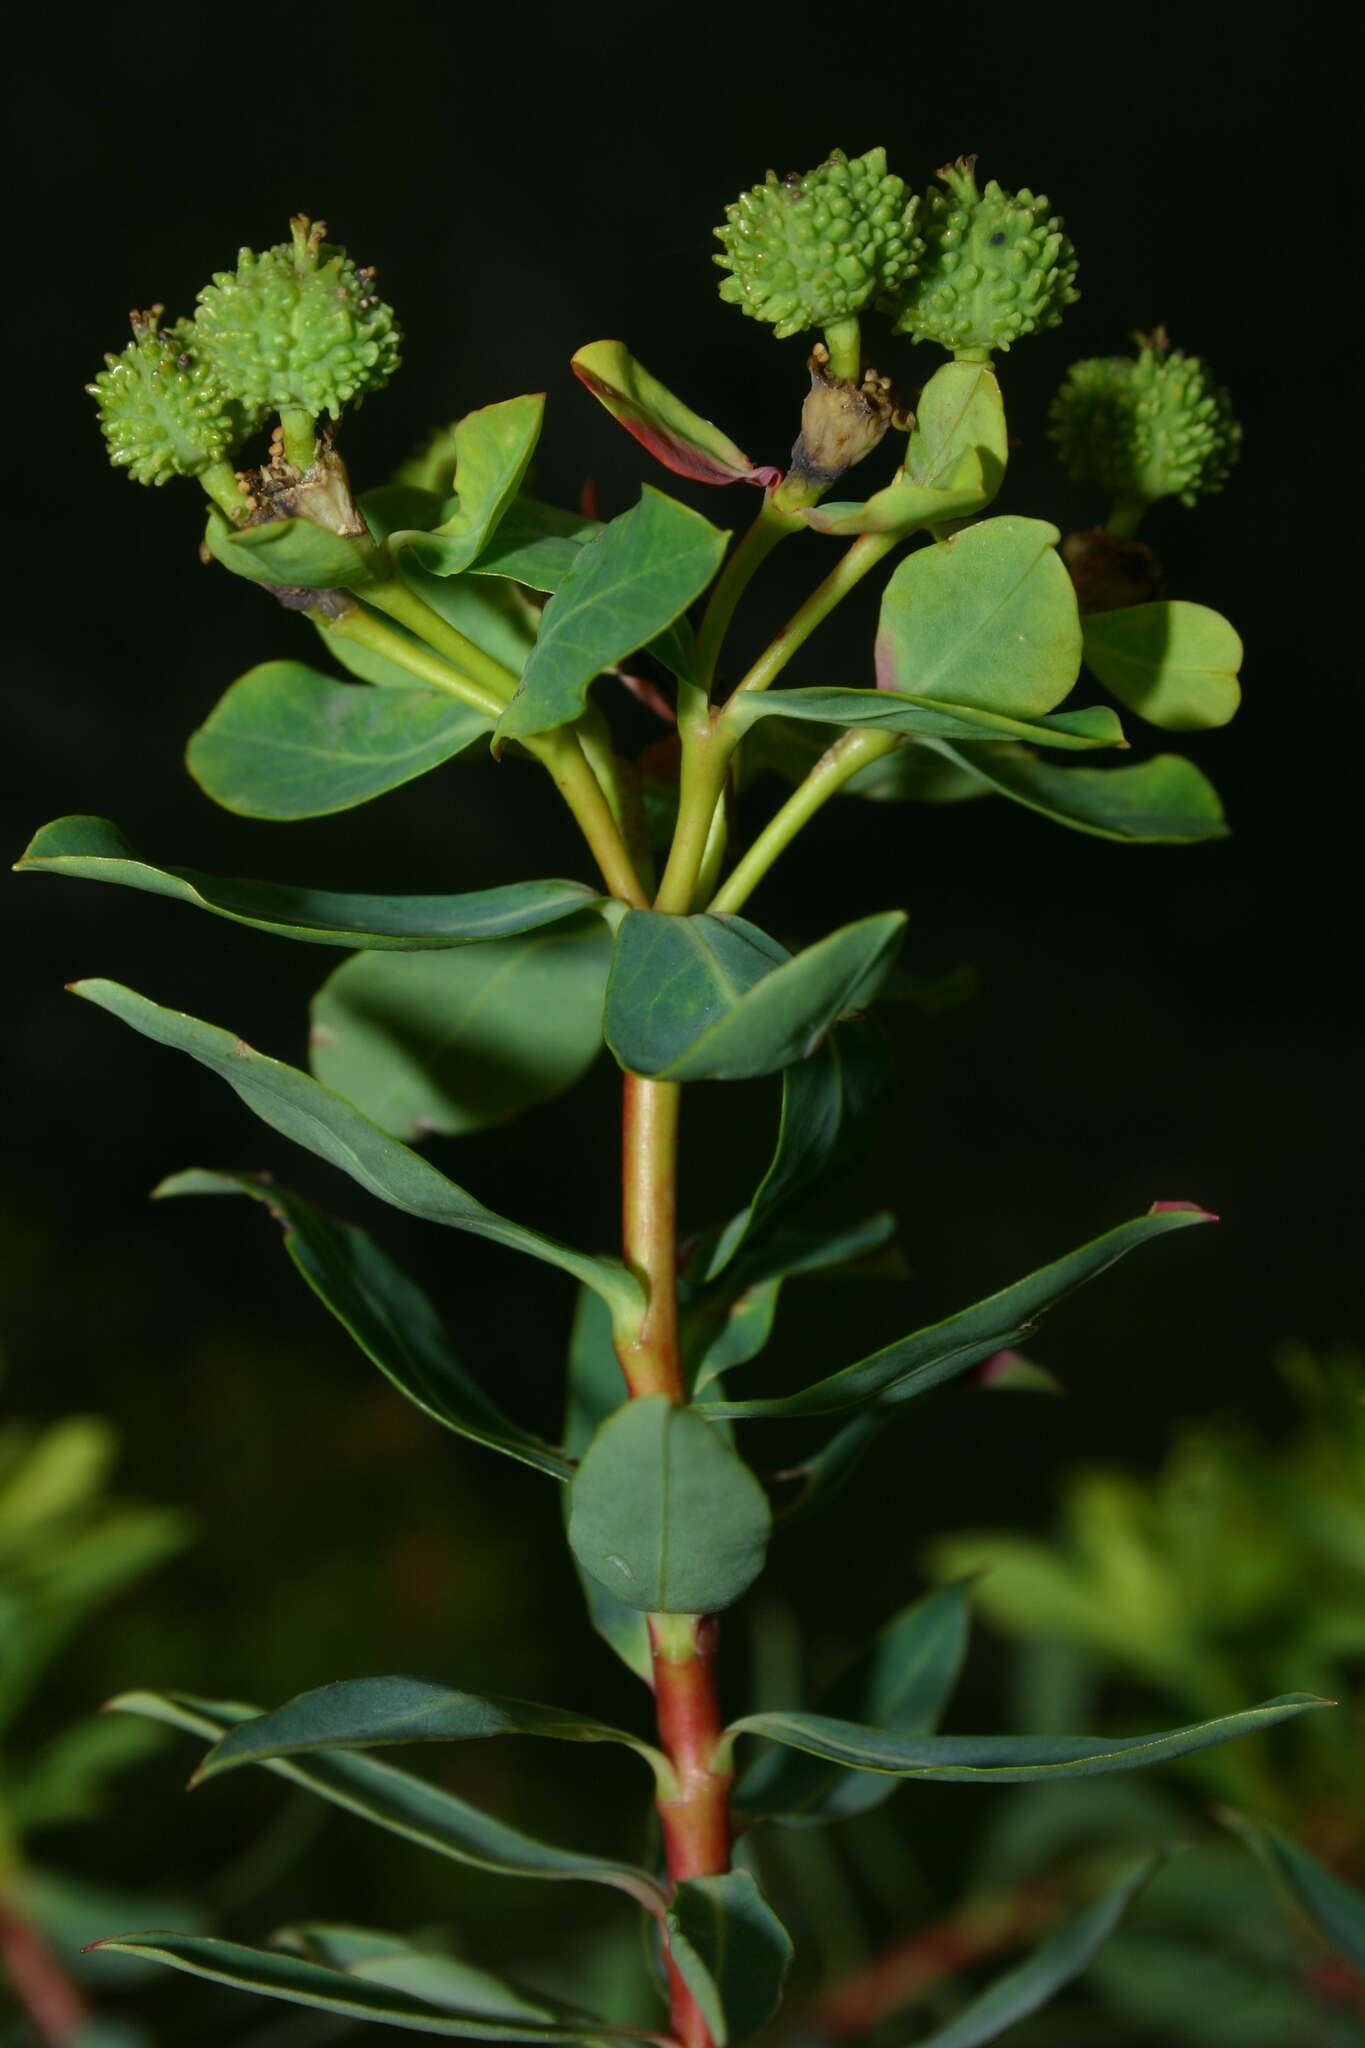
x=1162, y=801
x=626, y=586
x=455, y=1041
x=715, y=999
x=902, y=1682
x=94, y=850
x=1010, y=1759
x=375, y=1713
x=827, y=1101
x=596, y=1389
x=943, y=1350
x=1056, y=1963
x=270, y=1974
x=675, y=435
x=1335, y=1908
x=731, y=1951
x=443, y=1980
x=287, y=742
x=664, y=1514
x=987, y=618
x=493, y=448
x=1174, y=664
x=300, y=1108
x=402, y=1804
x=389, y=1316
x=925, y=717
x=904, y=507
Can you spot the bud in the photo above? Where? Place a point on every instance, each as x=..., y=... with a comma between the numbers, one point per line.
x=841, y=422
x=162, y=411
x=810, y=251
x=299, y=327
x=996, y=265
x=1145, y=427
x=1110, y=574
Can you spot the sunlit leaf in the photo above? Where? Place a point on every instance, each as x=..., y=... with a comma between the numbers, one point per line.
x=1164, y=800
x=493, y=448
x=1174, y=664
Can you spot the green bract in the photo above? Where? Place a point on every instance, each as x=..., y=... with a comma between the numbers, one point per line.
x=996, y=266
x=163, y=410
x=1143, y=427
x=807, y=251
x=297, y=326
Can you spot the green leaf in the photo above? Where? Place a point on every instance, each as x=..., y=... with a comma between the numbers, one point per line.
x=926, y=717
x=375, y=1713
x=1051, y=1967
x=300, y=1108
x=1010, y=1759
x=1174, y=664
x=389, y=1316
x=493, y=448
x=663, y=1513
x=287, y=742
x=1164, y=800
x=390, y=508
x=272, y=1975
x=941, y=1351
x=743, y=1333
x=626, y=586
x=731, y=1951
x=596, y=1389
x=455, y=1041
x=827, y=1104
x=536, y=545
x=678, y=437
x=495, y=614
x=1335, y=1908
x=902, y=1683
x=403, y=1804
x=94, y=850
x=987, y=618
x=292, y=554
x=381, y=1958
x=958, y=414
x=715, y=999
x=903, y=507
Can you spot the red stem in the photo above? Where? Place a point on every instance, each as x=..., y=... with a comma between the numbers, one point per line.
x=38, y=1979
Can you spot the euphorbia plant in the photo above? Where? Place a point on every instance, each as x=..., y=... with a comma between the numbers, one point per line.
x=455, y=1011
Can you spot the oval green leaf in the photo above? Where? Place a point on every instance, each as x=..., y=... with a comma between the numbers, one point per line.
x=493, y=448
x=731, y=1951
x=95, y=850
x=664, y=1515
x=293, y=554
x=457, y=1040
x=390, y=1317
x=287, y=742
x=1164, y=801
x=986, y=618
x=715, y=999
x=596, y=1389
x=626, y=586
x=302, y=1109
x=402, y=1804
x=1011, y=1759
x=377, y=1713
x=958, y=415
x=1174, y=664
x=928, y=1357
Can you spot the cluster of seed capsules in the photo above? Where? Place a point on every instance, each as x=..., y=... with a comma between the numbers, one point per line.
x=298, y=330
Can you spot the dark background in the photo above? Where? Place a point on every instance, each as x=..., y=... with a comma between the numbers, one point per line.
x=1148, y=1023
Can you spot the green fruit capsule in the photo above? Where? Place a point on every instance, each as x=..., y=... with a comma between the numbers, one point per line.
x=813, y=250
x=162, y=410
x=1144, y=427
x=299, y=327
x=996, y=266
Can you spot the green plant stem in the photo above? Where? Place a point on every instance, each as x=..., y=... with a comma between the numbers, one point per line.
x=649, y=1167
x=37, y=1978
x=394, y=598
x=845, y=344
x=770, y=526
x=706, y=750
x=834, y=768
x=848, y=571
x=1125, y=517
x=220, y=481
x=420, y=662
x=299, y=431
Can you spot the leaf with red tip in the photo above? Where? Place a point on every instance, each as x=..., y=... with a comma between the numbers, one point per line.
x=675, y=435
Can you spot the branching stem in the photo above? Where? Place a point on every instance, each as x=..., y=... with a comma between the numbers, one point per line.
x=852, y=751
x=848, y=571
